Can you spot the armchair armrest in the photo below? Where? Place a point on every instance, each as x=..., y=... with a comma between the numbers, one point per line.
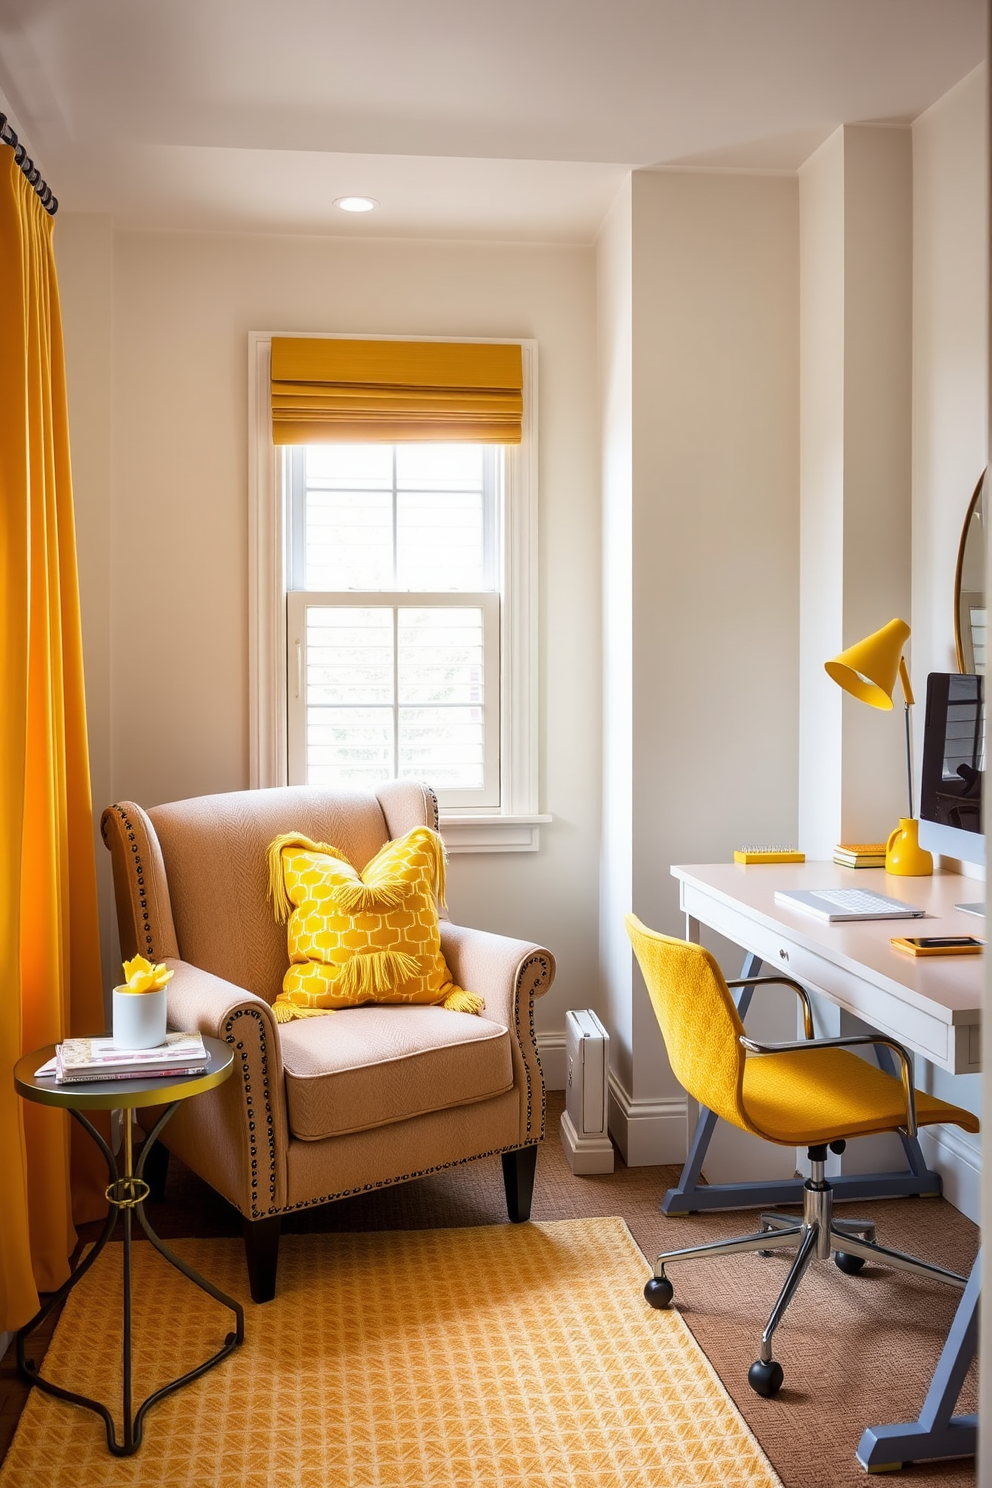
x=799, y=990
x=905, y=1058
x=250, y=1107
x=201, y=1002
x=505, y=972
x=509, y=974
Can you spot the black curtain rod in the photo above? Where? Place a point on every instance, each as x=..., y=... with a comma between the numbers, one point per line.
x=49, y=200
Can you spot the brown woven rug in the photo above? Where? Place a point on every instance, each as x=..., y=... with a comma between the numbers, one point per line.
x=494, y=1357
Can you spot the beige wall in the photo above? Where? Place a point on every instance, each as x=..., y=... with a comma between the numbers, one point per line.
x=84, y=250
x=159, y=409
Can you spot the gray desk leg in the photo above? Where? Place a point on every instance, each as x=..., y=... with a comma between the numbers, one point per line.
x=685, y=1198
x=937, y=1432
x=691, y=1197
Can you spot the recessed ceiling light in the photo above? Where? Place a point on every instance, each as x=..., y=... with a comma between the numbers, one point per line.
x=356, y=203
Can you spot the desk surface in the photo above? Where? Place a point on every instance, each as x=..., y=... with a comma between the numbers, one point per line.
x=932, y=1004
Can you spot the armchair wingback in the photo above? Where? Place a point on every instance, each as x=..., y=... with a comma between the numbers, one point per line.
x=322, y=1107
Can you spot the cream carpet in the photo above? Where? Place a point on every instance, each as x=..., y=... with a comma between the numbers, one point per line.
x=491, y=1357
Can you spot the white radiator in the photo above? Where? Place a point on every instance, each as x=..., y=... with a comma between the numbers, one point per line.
x=584, y=1134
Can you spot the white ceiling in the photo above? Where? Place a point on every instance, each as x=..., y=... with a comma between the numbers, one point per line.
x=464, y=118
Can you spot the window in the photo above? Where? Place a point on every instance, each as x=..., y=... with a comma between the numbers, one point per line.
x=393, y=614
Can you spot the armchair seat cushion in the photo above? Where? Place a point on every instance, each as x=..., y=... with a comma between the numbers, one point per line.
x=370, y=1066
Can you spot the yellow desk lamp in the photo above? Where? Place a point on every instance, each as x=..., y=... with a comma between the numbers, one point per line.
x=868, y=670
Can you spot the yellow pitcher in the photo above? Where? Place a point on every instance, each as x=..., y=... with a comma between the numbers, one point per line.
x=903, y=853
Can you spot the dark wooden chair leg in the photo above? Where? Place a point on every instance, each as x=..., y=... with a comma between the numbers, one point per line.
x=262, y=1255
x=518, y=1180
x=156, y=1171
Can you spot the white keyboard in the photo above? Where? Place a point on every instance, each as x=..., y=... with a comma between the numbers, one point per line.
x=847, y=904
x=855, y=901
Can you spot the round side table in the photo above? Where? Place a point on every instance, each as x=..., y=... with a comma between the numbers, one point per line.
x=126, y=1195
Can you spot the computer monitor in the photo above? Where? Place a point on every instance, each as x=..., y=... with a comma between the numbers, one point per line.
x=953, y=767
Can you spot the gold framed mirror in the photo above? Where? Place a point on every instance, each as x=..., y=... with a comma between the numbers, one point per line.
x=969, y=587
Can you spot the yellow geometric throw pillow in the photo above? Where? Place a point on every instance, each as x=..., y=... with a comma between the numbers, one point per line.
x=370, y=937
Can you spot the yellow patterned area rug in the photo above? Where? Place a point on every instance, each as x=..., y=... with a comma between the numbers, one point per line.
x=506, y=1356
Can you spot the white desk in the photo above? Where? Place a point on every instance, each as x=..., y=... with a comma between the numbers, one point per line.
x=930, y=1004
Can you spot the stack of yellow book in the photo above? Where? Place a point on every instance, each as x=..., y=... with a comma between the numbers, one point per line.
x=860, y=854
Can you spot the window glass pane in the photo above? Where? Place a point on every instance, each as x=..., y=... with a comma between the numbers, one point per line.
x=358, y=467
x=349, y=655
x=395, y=517
x=439, y=467
x=443, y=745
x=349, y=540
x=349, y=746
x=439, y=540
x=440, y=655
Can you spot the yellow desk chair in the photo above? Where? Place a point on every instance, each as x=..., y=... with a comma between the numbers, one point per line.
x=809, y=1093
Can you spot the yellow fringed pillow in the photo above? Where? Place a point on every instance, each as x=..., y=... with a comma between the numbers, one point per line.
x=370, y=937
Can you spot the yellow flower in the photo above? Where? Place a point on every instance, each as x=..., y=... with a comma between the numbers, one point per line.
x=142, y=976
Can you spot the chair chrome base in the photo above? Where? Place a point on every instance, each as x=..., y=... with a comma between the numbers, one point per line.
x=850, y=1241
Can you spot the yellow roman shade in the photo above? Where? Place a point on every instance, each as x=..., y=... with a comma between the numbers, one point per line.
x=395, y=391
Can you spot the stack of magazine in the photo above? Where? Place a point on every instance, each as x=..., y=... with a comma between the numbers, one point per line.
x=101, y=1059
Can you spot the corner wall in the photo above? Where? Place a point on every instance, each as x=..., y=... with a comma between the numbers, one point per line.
x=950, y=449
x=699, y=271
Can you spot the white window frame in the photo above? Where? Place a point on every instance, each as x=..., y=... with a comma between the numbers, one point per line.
x=514, y=826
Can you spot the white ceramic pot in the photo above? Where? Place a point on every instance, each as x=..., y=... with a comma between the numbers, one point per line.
x=139, y=1018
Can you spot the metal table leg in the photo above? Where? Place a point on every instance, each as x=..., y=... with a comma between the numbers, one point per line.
x=127, y=1192
x=936, y=1432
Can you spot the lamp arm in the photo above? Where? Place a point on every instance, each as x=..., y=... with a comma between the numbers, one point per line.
x=907, y=692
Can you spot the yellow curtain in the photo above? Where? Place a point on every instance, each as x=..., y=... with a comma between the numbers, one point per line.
x=392, y=391
x=50, y=979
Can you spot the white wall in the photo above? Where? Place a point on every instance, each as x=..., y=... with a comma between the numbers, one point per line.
x=699, y=330
x=616, y=304
x=950, y=448
x=166, y=551
x=855, y=275
x=950, y=354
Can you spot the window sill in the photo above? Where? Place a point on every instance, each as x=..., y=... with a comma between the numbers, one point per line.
x=491, y=834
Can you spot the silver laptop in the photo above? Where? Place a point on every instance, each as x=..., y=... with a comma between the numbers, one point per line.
x=848, y=904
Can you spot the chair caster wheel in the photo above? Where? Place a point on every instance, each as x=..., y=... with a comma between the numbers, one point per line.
x=765, y=1378
x=658, y=1291
x=851, y=1264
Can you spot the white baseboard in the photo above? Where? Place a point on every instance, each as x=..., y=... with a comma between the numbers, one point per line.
x=551, y=1048
x=955, y=1155
x=585, y=1154
x=647, y=1132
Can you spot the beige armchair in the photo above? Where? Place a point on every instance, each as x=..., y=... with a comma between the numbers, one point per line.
x=321, y=1108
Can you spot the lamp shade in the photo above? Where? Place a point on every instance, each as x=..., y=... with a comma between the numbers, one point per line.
x=868, y=669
